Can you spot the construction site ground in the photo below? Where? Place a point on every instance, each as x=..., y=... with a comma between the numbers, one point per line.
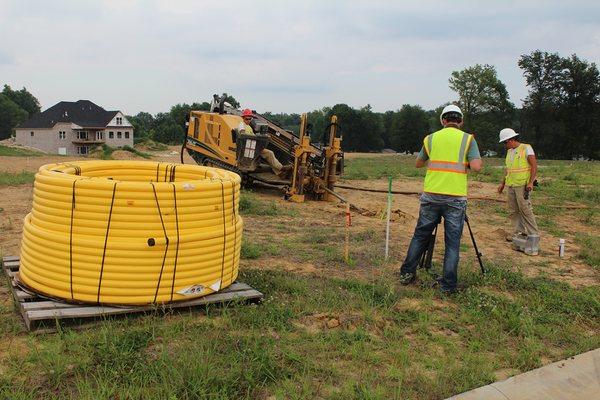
x=337, y=328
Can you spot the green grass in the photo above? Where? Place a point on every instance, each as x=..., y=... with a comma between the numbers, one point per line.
x=136, y=152
x=18, y=152
x=19, y=178
x=151, y=144
x=381, y=167
x=356, y=339
x=250, y=204
x=106, y=152
x=560, y=181
x=590, y=249
x=250, y=250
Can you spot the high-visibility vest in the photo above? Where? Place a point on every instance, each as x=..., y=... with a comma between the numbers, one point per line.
x=518, y=170
x=447, y=168
x=248, y=129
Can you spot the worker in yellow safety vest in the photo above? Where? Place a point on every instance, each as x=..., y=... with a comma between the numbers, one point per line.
x=448, y=154
x=521, y=171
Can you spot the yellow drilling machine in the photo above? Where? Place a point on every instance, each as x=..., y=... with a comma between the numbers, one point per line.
x=218, y=138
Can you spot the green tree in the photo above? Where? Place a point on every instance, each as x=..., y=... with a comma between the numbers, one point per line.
x=483, y=98
x=561, y=112
x=361, y=129
x=290, y=122
x=10, y=116
x=23, y=99
x=544, y=74
x=580, y=108
x=142, y=123
x=409, y=126
x=166, y=129
x=231, y=100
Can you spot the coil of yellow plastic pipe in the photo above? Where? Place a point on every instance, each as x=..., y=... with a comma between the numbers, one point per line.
x=131, y=232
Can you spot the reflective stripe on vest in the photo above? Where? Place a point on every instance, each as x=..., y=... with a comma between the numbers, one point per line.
x=447, y=166
x=518, y=169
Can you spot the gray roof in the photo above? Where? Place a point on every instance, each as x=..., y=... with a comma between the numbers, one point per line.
x=82, y=112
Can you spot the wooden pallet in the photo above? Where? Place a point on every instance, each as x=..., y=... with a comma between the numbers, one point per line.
x=39, y=311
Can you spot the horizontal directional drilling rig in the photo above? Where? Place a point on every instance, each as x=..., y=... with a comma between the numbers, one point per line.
x=263, y=151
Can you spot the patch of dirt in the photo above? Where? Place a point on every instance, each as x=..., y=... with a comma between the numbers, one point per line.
x=16, y=202
x=316, y=323
x=505, y=373
x=13, y=346
x=125, y=155
x=31, y=164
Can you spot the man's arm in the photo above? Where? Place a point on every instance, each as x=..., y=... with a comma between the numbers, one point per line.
x=476, y=164
x=422, y=158
x=501, y=186
x=533, y=163
x=473, y=157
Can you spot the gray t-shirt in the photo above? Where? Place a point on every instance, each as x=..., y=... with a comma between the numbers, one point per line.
x=472, y=154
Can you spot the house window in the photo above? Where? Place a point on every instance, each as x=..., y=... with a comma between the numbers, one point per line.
x=99, y=135
x=111, y=135
x=119, y=121
x=126, y=135
x=119, y=135
x=62, y=135
x=31, y=134
x=82, y=135
x=82, y=150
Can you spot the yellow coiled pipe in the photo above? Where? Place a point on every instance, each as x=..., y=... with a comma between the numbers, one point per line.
x=131, y=232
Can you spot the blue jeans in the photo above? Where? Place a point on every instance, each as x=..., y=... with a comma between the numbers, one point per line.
x=430, y=215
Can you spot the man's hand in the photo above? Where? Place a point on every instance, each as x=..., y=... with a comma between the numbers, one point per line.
x=501, y=188
x=529, y=187
x=420, y=163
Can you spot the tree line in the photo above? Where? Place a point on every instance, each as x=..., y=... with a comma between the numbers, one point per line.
x=560, y=116
x=16, y=106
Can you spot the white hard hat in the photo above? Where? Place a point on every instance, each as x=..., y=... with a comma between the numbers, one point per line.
x=506, y=134
x=451, y=108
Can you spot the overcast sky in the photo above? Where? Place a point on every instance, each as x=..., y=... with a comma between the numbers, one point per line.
x=280, y=56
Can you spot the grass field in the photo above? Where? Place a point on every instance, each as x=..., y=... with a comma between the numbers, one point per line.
x=17, y=152
x=19, y=178
x=342, y=331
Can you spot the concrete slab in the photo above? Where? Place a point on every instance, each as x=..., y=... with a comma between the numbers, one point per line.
x=576, y=378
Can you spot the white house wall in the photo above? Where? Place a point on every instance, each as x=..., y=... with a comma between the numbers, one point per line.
x=47, y=139
x=125, y=129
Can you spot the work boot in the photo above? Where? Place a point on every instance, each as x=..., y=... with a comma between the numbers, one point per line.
x=448, y=292
x=407, y=278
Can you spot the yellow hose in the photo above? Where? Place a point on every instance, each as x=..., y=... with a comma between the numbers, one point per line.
x=131, y=232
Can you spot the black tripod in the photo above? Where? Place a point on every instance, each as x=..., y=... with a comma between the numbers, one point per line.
x=425, y=261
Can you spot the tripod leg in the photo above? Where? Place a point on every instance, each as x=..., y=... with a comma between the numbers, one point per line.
x=477, y=253
x=430, y=247
x=425, y=260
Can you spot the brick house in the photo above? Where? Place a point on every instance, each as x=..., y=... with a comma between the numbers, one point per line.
x=73, y=128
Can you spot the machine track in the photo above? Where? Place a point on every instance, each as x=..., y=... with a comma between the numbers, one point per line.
x=247, y=178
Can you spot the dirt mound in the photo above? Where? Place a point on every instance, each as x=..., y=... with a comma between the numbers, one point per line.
x=125, y=155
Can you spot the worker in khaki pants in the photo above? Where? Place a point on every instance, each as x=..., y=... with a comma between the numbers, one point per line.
x=521, y=170
x=266, y=154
